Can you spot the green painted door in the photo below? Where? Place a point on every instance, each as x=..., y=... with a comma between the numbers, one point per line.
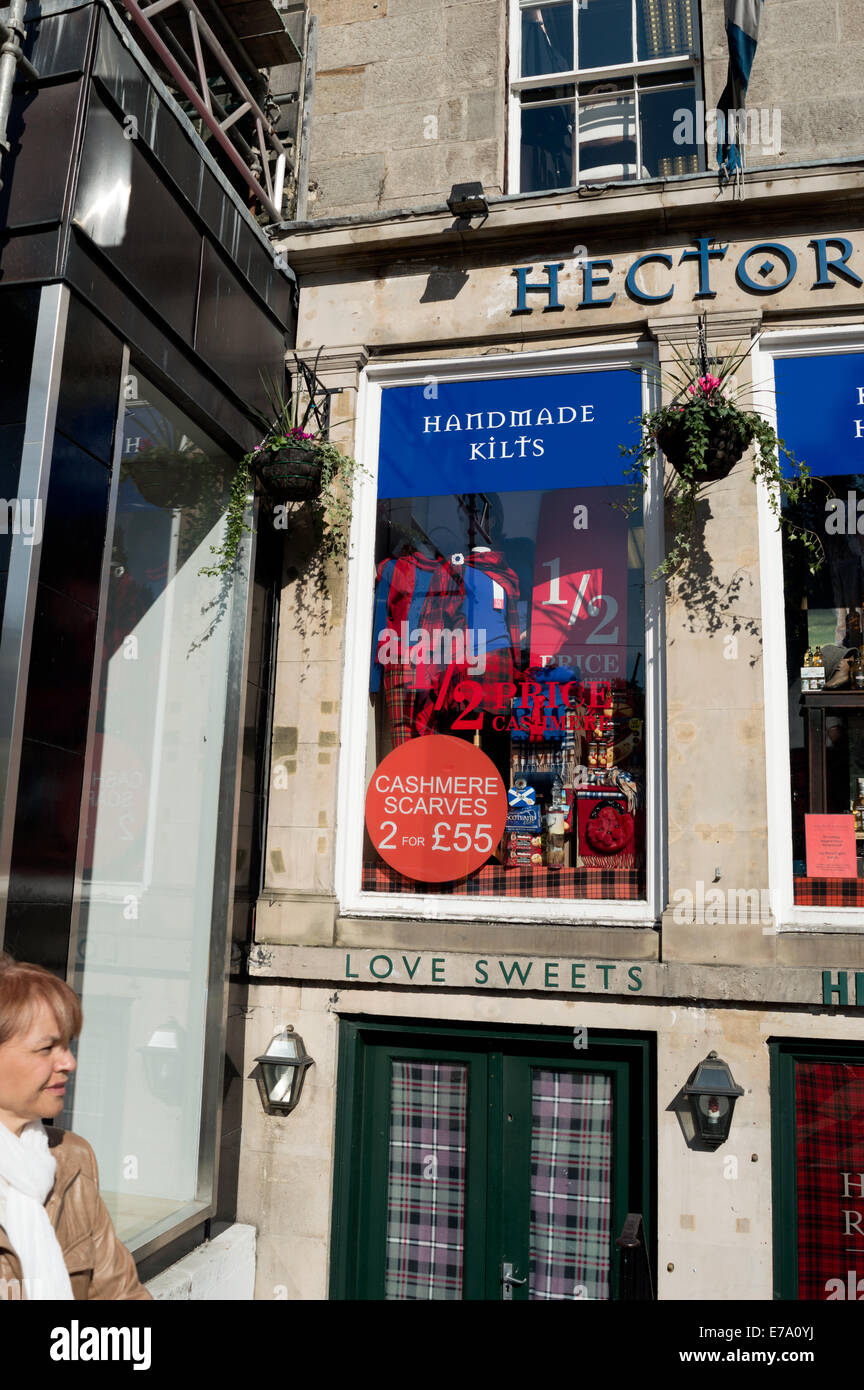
x=486, y=1166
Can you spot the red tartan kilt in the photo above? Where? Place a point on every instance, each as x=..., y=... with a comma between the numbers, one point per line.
x=500, y=670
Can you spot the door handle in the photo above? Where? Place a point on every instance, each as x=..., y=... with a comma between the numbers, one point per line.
x=509, y=1280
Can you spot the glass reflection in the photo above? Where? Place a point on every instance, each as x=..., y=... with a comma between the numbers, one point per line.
x=151, y=833
x=605, y=33
x=547, y=39
x=607, y=136
x=547, y=147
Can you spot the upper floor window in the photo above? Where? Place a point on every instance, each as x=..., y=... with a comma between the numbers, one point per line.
x=599, y=89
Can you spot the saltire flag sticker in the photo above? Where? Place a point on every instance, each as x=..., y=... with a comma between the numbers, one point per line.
x=742, y=33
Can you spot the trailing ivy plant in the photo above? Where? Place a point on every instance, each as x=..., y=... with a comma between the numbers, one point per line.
x=701, y=423
x=235, y=521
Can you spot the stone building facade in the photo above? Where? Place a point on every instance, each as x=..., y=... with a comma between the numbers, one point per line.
x=727, y=930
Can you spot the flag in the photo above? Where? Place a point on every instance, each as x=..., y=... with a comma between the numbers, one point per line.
x=742, y=33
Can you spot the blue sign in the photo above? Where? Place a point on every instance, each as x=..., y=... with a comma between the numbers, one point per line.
x=515, y=434
x=820, y=411
x=522, y=796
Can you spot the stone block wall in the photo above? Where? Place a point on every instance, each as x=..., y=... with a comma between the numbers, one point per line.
x=409, y=100
x=411, y=95
x=807, y=68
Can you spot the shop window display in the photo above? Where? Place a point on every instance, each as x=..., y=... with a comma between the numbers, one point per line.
x=824, y=637
x=508, y=642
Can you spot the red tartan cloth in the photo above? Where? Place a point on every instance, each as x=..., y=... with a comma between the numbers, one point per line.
x=441, y=608
x=467, y=694
x=829, y=892
x=412, y=713
x=494, y=881
x=829, y=1114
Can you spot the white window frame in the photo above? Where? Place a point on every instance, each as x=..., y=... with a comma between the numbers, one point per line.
x=789, y=916
x=353, y=901
x=517, y=84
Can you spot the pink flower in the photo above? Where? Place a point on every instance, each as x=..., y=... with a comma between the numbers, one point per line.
x=709, y=383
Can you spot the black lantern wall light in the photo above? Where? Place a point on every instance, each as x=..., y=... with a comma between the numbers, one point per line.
x=282, y=1071
x=712, y=1094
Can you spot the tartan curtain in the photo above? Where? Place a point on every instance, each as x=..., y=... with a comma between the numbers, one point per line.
x=829, y=1104
x=571, y=1185
x=426, y=1181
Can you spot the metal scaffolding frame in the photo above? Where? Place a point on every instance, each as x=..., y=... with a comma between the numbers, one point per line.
x=262, y=160
x=269, y=195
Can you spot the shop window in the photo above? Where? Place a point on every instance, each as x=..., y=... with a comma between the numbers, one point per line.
x=603, y=91
x=151, y=872
x=506, y=687
x=818, y=1095
x=824, y=638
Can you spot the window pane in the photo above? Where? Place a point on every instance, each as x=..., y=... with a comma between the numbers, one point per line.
x=508, y=635
x=547, y=39
x=144, y=945
x=824, y=625
x=547, y=147
x=607, y=139
x=662, y=115
x=426, y=1181
x=605, y=33
x=571, y=1185
x=664, y=28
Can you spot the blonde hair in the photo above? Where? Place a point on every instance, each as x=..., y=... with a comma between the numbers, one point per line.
x=22, y=987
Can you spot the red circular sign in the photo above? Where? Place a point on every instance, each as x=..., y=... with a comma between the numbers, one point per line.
x=436, y=808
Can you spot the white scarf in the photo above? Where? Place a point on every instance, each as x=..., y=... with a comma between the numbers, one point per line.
x=29, y=1170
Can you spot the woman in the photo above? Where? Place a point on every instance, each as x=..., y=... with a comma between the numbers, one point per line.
x=56, y=1237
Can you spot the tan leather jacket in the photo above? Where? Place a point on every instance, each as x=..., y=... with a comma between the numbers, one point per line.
x=99, y=1265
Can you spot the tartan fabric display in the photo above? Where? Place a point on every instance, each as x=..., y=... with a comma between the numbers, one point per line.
x=411, y=712
x=500, y=669
x=571, y=1185
x=494, y=881
x=426, y=1181
x=414, y=594
x=829, y=1114
x=829, y=892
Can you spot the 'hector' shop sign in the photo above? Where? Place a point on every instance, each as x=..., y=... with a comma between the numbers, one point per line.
x=763, y=268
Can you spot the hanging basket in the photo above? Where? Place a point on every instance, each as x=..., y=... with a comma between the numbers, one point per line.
x=292, y=473
x=170, y=479
x=727, y=443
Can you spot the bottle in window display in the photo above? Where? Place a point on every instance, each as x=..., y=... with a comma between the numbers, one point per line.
x=858, y=808
x=556, y=826
x=853, y=627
